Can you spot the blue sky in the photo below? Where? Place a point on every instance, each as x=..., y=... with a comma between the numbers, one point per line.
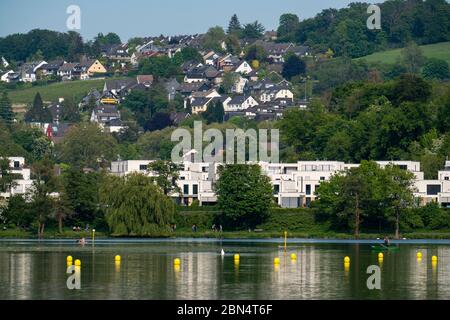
x=130, y=18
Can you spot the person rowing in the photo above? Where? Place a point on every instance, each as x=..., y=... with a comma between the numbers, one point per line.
x=386, y=241
x=82, y=241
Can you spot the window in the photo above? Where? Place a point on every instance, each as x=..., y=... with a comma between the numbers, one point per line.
x=308, y=189
x=16, y=164
x=143, y=167
x=446, y=178
x=276, y=189
x=433, y=189
x=195, y=189
x=322, y=178
x=308, y=202
x=186, y=189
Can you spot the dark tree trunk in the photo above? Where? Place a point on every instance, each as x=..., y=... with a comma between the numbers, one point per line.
x=60, y=223
x=397, y=225
x=357, y=216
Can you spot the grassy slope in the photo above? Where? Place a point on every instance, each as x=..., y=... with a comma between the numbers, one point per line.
x=437, y=50
x=54, y=91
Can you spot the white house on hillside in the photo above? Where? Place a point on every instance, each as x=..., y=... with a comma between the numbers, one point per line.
x=21, y=185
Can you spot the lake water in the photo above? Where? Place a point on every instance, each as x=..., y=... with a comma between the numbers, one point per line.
x=37, y=270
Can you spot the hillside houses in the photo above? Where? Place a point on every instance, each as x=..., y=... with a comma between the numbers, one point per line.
x=276, y=51
x=40, y=70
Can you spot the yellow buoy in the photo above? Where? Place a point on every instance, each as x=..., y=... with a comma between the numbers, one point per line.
x=346, y=266
x=117, y=258
x=77, y=263
x=347, y=259
x=380, y=256
x=293, y=256
x=434, y=258
x=236, y=257
x=276, y=261
x=177, y=262
x=419, y=255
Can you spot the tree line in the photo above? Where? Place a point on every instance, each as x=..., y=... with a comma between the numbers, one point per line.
x=344, y=31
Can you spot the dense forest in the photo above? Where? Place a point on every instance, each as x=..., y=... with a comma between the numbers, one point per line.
x=46, y=44
x=345, y=32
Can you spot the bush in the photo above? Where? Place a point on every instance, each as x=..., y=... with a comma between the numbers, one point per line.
x=203, y=219
x=434, y=217
x=289, y=220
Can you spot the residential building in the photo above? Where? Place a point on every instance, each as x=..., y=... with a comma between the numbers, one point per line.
x=23, y=183
x=239, y=103
x=294, y=184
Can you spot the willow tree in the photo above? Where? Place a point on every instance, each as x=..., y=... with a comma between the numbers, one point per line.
x=135, y=206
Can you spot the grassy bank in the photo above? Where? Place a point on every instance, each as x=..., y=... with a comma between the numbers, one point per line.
x=299, y=223
x=437, y=50
x=76, y=89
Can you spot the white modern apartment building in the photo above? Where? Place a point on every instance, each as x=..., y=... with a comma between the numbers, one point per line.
x=294, y=184
x=24, y=183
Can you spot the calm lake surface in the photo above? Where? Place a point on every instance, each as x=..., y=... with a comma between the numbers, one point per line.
x=37, y=270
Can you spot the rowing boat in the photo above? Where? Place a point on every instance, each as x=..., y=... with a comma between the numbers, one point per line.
x=382, y=247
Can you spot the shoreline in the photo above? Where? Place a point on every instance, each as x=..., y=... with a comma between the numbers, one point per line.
x=225, y=236
x=291, y=243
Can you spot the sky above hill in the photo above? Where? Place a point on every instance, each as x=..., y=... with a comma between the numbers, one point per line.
x=132, y=18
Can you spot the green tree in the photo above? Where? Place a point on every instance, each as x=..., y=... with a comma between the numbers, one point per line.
x=398, y=191
x=6, y=112
x=352, y=195
x=234, y=26
x=412, y=58
x=160, y=66
x=233, y=44
x=289, y=24
x=18, y=212
x=214, y=112
x=254, y=30
x=229, y=80
x=71, y=112
x=167, y=175
x=81, y=192
x=37, y=112
x=41, y=201
x=213, y=38
x=134, y=206
x=6, y=177
x=444, y=112
x=85, y=145
x=255, y=52
x=33, y=141
x=409, y=87
x=62, y=208
x=244, y=195
x=436, y=69
x=191, y=54
x=294, y=66
x=108, y=39
x=76, y=46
